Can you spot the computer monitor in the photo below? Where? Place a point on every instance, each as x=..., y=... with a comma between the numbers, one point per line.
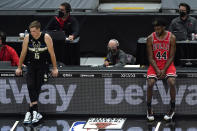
x=5, y=63
x=57, y=35
x=180, y=36
x=189, y=62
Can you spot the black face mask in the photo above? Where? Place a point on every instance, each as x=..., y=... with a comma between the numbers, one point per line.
x=60, y=14
x=113, y=51
x=182, y=14
x=3, y=39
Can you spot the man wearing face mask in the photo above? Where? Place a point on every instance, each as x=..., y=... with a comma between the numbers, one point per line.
x=184, y=25
x=65, y=22
x=7, y=53
x=67, y=51
x=115, y=56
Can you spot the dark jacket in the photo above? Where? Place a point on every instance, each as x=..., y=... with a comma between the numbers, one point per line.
x=118, y=60
x=183, y=29
x=71, y=26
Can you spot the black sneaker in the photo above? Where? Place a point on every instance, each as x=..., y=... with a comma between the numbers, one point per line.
x=169, y=115
x=150, y=115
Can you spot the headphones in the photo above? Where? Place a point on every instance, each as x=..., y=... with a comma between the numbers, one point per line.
x=3, y=37
x=187, y=7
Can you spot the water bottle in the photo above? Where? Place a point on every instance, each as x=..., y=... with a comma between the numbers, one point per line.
x=26, y=32
x=45, y=77
x=193, y=36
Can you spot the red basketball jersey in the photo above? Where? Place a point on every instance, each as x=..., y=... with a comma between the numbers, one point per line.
x=161, y=49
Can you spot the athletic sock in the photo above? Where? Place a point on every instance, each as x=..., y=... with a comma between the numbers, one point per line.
x=35, y=107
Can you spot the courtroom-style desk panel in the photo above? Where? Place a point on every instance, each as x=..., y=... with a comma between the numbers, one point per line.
x=88, y=90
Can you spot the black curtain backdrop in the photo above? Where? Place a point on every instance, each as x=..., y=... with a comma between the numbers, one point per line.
x=95, y=30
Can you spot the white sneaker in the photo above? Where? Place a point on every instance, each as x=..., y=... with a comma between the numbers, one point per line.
x=36, y=117
x=169, y=115
x=27, y=119
x=150, y=115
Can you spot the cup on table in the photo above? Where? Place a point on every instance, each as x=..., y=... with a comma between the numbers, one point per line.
x=21, y=36
x=193, y=36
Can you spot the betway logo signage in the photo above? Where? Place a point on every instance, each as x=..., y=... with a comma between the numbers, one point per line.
x=134, y=94
x=47, y=96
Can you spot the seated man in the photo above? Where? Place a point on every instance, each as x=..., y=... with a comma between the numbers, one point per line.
x=184, y=25
x=7, y=53
x=115, y=56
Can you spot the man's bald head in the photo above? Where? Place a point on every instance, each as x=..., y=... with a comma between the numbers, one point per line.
x=113, y=44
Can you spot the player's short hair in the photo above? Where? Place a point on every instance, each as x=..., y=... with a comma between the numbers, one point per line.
x=159, y=22
x=186, y=6
x=35, y=24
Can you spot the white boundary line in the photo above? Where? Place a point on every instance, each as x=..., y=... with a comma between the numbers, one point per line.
x=157, y=127
x=14, y=126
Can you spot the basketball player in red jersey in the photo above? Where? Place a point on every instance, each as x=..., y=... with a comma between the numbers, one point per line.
x=161, y=48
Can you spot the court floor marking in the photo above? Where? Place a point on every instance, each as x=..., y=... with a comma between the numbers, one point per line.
x=157, y=127
x=14, y=126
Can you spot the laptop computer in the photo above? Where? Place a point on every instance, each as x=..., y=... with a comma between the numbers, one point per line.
x=180, y=36
x=5, y=63
x=189, y=62
x=57, y=35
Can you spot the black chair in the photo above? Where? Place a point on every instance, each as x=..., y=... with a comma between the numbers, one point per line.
x=58, y=38
x=67, y=52
x=72, y=54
